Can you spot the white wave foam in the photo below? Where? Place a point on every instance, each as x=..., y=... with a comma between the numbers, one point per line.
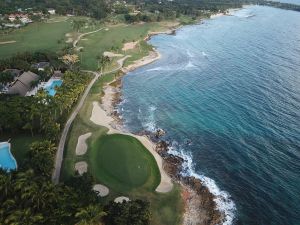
x=190, y=65
x=161, y=68
x=148, y=120
x=204, y=54
x=188, y=52
x=222, y=199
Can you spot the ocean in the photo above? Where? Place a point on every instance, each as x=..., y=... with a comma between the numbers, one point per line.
x=227, y=92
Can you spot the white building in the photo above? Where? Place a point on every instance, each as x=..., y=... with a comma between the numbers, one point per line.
x=51, y=11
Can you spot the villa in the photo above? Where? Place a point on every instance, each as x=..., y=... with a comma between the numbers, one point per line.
x=23, y=83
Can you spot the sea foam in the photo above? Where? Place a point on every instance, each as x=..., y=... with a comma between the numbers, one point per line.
x=222, y=198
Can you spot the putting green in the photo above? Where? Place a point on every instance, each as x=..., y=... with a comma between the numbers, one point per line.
x=123, y=163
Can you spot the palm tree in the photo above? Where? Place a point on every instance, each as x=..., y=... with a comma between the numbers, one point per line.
x=90, y=215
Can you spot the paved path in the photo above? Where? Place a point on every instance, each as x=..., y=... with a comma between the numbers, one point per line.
x=82, y=35
x=61, y=145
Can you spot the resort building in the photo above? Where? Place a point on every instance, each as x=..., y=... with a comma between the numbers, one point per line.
x=23, y=83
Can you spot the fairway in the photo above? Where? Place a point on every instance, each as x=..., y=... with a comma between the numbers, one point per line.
x=111, y=40
x=123, y=163
x=35, y=37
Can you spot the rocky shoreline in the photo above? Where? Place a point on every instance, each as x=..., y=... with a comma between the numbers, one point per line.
x=199, y=204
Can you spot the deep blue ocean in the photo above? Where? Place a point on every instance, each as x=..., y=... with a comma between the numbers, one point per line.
x=227, y=92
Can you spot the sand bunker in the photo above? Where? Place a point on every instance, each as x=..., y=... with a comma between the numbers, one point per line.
x=81, y=167
x=101, y=190
x=99, y=116
x=129, y=45
x=70, y=40
x=81, y=146
x=121, y=199
x=7, y=42
x=111, y=54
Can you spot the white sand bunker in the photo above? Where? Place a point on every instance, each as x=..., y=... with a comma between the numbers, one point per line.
x=7, y=42
x=111, y=54
x=70, y=40
x=121, y=199
x=129, y=45
x=81, y=167
x=101, y=190
x=99, y=116
x=81, y=146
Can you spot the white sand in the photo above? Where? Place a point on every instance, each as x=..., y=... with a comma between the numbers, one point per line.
x=81, y=146
x=121, y=199
x=129, y=45
x=100, y=117
x=153, y=55
x=7, y=42
x=101, y=190
x=111, y=54
x=70, y=40
x=81, y=167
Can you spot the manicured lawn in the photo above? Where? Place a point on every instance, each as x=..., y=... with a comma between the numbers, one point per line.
x=35, y=37
x=112, y=40
x=123, y=163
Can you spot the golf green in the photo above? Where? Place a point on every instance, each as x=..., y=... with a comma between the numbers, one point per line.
x=123, y=163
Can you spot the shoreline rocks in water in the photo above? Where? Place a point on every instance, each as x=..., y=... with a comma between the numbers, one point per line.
x=200, y=205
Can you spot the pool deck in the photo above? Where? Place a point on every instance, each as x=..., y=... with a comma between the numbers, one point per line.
x=42, y=85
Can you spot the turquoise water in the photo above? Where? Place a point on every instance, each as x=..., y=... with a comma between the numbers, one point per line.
x=51, y=89
x=228, y=94
x=7, y=161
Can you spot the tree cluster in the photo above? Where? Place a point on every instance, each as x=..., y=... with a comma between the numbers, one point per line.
x=42, y=113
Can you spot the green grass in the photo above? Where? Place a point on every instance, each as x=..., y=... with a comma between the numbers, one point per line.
x=112, y=40
x=82, y=125
x=123, y=163
x=35, y=37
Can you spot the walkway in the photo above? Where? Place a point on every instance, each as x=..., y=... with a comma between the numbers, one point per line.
x=82, y=35
x=61, y=145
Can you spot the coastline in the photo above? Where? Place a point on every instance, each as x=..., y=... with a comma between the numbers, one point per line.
x=200, y=205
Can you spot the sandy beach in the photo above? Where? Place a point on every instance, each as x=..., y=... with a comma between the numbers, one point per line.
x=153, y=56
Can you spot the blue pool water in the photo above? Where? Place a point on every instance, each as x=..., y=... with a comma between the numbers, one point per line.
x=231, y=86
x=51, y=88
x=7, y=161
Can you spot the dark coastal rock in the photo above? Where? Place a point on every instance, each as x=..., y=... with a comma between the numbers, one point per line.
x=162, y=148
x=206, y=203
x=173, y=166
x=159, y=133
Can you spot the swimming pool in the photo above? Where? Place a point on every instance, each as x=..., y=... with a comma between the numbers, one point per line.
x=51, y=85
x=7, y=161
